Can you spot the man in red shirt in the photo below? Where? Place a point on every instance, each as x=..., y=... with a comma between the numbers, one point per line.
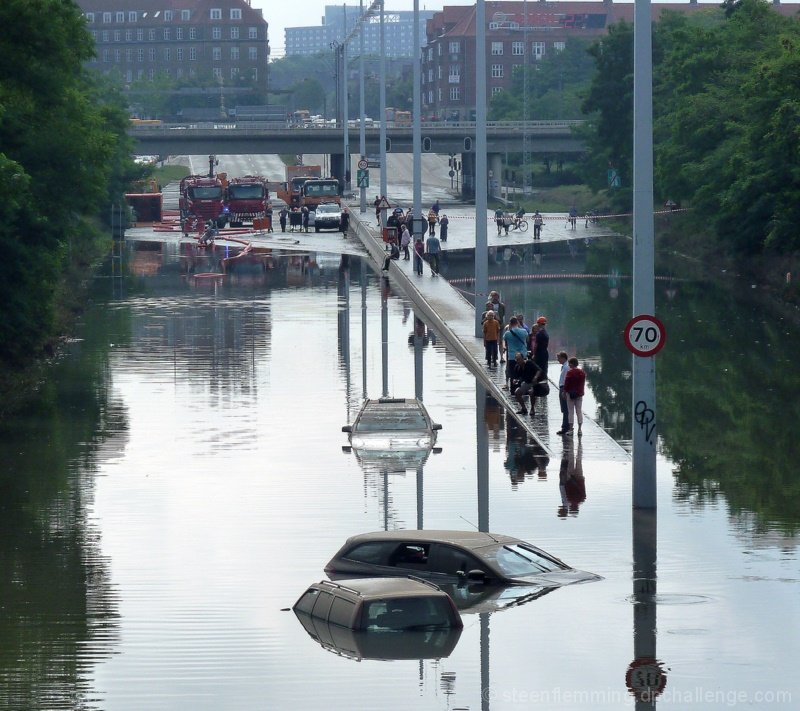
x=574, y=384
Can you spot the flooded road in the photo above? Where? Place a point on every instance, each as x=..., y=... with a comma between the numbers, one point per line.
x=181, y=480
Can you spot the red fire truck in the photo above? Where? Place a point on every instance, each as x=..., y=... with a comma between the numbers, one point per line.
x=201, y=200
x=246, y=199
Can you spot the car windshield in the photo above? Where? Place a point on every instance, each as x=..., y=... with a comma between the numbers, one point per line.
x=328, y=209
x=246, y=192
x=392, y=420
x=404, y=613
x=213, y=192
x=321, y=188
x=516, y=560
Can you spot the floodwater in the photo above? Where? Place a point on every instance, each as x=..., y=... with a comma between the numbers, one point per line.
x=180, y=479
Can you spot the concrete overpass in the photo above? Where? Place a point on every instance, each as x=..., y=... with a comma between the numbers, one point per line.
x=458, y=138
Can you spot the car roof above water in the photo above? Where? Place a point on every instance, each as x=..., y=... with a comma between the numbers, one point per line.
x=472, y=540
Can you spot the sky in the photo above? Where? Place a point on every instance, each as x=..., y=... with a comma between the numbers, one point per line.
x=281, y=15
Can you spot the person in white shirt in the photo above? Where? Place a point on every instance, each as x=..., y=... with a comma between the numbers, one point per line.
x=562, y=396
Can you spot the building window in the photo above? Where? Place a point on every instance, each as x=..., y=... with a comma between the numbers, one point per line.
x=216, y=13
x=152, y=35
x=255, y=74
x=234, y=53
x=129, y=76
x=430, y=76
x=90, y=18
x=234, y=72
x=234, y=33
x=167, y=33
x=497, y=48
x=252, y=33
x=497, y=71
x=454, y=76
x=104, y=35
x=106, y=18
x=179, y=54
x=216, y=54
x=128, y=55
x=120, y=17
x=129, y=35
x=439, y=94
x=151, y=53
x=168, y=15
x=167, y=54
x=179, y=33
x=252, y=53
x=117, y=55
x=454, y=47
x=518, y=48
x=117, y=35
x=236, y=13
x=151, y=73
x=439, y=72
x=537, y=48
x=192, y=54
x=496, y=90
x=558, y=46
x=140, y=55
x=186, y=15
x=216, y=33
x=440, y=49
x=217, y=72
x=192, y=33
x=455, y=93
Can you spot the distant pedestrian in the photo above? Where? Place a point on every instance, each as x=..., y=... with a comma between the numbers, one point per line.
x=394, y=254
x=432, y=248
x=268, y=215
x=573, y=217
x=443, y=223
x=562, y=394
x=538, y=221
x=521, y=321
x=377, y=204
x=436, y=208
x=282, y=217
x=344, y=221
x=487, y=311
x=540, y=352
x=526, y=374
x=419, y=251
x=305, y=212
x=491, y=335
x=574, y=385
x=498, y=306
x=498, y=219
x=405, y=240
x=515, y=340
x=433, y=218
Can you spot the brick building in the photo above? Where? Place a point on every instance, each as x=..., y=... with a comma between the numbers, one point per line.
x=225, y=40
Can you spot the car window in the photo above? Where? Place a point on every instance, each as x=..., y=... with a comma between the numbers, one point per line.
x=323, y=605
x=452, y=560
x=306, y=602
x=396, y=419
x=411, y=555
x=374, y=552
x=342, y=612
x=405, y=612
x=516, y=559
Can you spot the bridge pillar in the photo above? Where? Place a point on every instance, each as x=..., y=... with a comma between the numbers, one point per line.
x=468, y=175
x=495, y=167
x=337, y=167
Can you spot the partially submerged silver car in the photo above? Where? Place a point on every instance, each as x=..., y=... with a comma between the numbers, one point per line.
x=392, y=424
x=453, y=556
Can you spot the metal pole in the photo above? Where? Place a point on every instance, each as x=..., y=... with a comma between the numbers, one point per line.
x=382, y=92
x=416, y=133
x=644, y=369
x=481, y=186
x=346, y=107
x=362, y=136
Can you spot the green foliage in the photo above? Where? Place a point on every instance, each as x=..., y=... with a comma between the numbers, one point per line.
x=726, y=121
x=65, y=158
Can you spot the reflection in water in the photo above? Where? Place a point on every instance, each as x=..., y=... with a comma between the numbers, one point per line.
x=523, y=458
x=58, y=611
x=571, y=482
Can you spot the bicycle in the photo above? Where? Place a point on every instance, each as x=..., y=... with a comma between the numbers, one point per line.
x=520, y=224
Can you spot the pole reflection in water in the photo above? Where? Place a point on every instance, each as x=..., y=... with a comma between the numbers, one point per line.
x=482, y=457
x=419, y=334
x=645, y=677
x=385, y=336
x=344, y=326
x=363, y=329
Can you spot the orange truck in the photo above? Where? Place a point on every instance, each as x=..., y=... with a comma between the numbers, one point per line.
x=318, y=191
x=296, y=175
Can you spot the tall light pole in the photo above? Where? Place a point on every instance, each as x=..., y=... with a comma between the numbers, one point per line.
x=481, y=186
x=345, y=109
x=644, y=368
x=362, y=136
x=416, y=132
x=382, y=117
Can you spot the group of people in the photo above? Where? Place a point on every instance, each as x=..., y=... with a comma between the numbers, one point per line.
x=398, y=219
x=526, y=353
x=430, y=250
x=298, y=219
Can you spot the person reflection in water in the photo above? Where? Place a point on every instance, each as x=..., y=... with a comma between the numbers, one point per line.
x=572, y=483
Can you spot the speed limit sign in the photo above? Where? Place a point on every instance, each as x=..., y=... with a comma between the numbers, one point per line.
x=645, y=336
x=362, y=164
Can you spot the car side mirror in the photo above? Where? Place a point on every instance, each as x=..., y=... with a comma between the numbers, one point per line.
x=436, y=426
x=346, y=449
x=476, y=576
x=347, y=428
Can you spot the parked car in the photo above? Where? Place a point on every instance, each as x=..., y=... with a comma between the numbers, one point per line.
x=453, y=556
x=327, y=216
x=392, y=424
x=393, y=603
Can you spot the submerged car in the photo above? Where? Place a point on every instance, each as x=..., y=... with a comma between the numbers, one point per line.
x=327, y=216
x=379, y=604
x=392, y=424
x=453, y=556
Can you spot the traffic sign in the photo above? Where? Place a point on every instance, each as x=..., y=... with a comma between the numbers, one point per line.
x=646, y=678
x=362, y=164
x=362, y=178
x=645, y=336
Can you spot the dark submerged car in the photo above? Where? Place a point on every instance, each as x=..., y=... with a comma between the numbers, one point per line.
x=453, y=556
